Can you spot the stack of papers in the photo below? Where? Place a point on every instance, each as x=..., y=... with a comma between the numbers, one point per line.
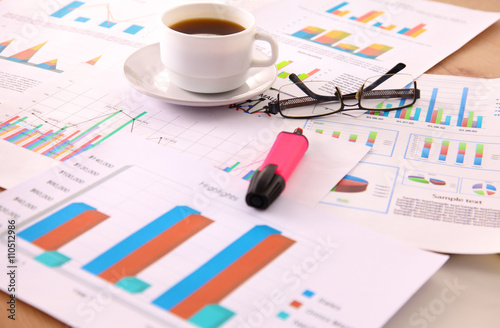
x=135, y=206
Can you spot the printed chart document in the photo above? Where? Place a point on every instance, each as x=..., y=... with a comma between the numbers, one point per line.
x=86, y=107
x=331, y=40
x=432, y=177
x=42, y=39
x=130, y=234
x=349, y=41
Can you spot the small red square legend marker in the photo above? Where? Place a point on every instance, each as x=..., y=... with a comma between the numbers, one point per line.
x=296, y=304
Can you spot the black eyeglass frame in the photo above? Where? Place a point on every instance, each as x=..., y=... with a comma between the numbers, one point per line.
x=275, y=107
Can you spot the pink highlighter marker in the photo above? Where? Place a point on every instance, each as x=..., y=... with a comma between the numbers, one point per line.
x=268, y=183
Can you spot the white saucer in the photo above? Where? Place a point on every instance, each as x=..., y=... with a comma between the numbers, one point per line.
x=145, y=72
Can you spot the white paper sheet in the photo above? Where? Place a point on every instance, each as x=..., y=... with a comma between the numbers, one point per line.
x=19, y=164
x=433, y=175
x=89, y=106
x=348, y=42
x=326, y=271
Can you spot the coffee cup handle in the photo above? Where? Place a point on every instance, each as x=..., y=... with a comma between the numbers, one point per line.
x=264, y=62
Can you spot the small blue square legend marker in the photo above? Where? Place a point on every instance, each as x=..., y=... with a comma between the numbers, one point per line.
x=308, y=293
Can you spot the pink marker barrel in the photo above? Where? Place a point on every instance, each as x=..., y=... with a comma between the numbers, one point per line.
x=287, y=151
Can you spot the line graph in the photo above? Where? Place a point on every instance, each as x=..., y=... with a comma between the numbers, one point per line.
x=68, y=117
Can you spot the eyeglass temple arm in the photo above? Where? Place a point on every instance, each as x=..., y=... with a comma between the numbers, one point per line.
x=380, y=80
x=300, y=101
x=392, y=93
x=386, y=76
x=298, y=82
x=273, y=106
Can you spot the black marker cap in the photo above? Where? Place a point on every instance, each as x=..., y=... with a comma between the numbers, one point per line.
x=265, y=186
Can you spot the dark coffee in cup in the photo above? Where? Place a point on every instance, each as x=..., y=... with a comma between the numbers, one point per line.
x=212, y=26
x=209, y=47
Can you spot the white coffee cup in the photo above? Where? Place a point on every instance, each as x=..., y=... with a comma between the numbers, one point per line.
x=209, y=63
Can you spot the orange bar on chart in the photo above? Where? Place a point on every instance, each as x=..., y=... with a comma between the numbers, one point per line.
x=233, y=276
x=147, y=254
x=416, y=31
x=70, y=230
x=369, y=16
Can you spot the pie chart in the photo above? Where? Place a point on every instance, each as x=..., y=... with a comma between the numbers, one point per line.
x=351, y=183
x=484, y=189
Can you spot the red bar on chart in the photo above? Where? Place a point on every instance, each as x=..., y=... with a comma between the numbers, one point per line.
x=332, y=37
x=416, y=31
x=444, y=150
x=369, y=16
x=70, y=230
x=148, y=253
x=233, y=276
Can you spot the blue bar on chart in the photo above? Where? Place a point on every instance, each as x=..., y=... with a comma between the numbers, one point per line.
x=60, y=228
x=67, y=9
x=478, y=158
x=210, y=269
x=309, y=32
x=82, y=19
x=53, y=221
x=230, y=168
x=461, y=111
x=432, y=102
x=197, y=297
x=461, y=152
x=371, y=138
x=138, y=239
x=308, y=293
x=334, y=9
x=107, y=24
x=427, y=147
x=249, y=175
x=444, y=150
x=133, y=29
x=416, y=116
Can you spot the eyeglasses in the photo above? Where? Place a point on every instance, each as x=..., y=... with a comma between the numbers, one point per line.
x=386, y=92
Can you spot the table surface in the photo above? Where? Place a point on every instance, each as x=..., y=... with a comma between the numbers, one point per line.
x=464, y=292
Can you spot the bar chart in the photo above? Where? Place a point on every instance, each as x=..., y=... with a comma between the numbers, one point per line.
x=133, y=247
x=453, y=152
x=99, y=15
x=56, y=230
x=121, y=263
x=343, y=10
x=382, y=141
x=450, y=103
x=332, y=39
x=63, y=141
